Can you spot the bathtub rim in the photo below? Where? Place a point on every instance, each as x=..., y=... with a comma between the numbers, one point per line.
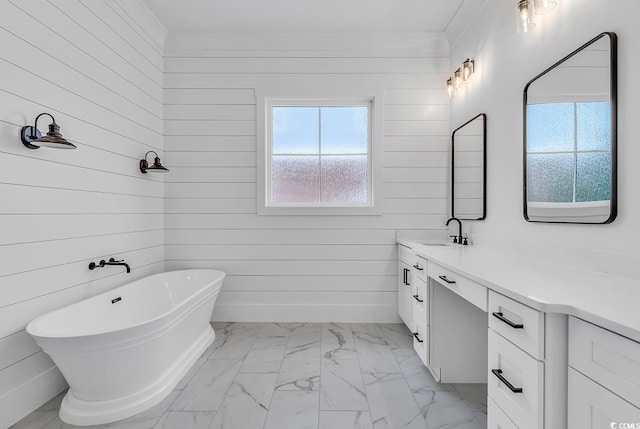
x=34, y=330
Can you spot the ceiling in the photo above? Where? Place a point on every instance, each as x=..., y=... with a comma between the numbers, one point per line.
x=305, y=16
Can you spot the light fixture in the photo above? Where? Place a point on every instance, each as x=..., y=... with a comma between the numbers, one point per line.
x=457, y=78
x=156, y=167
x=526, y=16
x=544, y=6
x=467, y=69
x=450, y=87
x=32, y=138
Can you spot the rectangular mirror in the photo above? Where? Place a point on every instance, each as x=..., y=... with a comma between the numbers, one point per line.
x=570, y=137
x=468, y=175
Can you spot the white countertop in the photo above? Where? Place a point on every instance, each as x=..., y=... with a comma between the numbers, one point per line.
x=605, y=300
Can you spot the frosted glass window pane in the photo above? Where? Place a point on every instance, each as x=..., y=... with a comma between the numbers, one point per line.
x=294, y=179
x=295, y=130
x=344, y=130
x=550, y=127
x=593, y=177
x=344, y=179
x=550, y=178
x=594, y=126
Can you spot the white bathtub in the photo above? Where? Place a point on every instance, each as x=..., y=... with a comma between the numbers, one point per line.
x=123, y=351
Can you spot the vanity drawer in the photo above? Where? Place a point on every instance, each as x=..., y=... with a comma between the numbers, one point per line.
x=518, y=323
x=609, y=359
x=419, y=266
x=419, y=299
x=466, y=288
x=406, y=255
x=509, y=364
x=421, y=339
x=496, y=418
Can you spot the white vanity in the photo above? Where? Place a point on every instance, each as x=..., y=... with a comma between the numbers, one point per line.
x=558, y=347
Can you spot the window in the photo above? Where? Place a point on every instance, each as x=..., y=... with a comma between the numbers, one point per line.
x=318, y=156
x=578, y=152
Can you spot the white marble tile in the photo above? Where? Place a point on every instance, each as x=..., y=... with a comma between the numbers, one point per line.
x=391, y=403
x=299, y=374
x=293, y=410
x=481, y=417
x=53, y=404
x=265, y=356
x=305, y=341
x=419, y=377
x=446, y=410
x=233, y=340
x=373, y=350
x=246, y=403
x=475, y=395
x=56, y=423
x=337, y=341
x=341, y=386
x=345, y=420
x=279, y=329
x=399, y=339
x=185, y=420
x=206, y=390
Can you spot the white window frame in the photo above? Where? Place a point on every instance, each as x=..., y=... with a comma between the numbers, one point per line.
x=264, y=106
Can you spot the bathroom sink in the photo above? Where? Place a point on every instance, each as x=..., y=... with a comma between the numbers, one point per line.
x=435, y=243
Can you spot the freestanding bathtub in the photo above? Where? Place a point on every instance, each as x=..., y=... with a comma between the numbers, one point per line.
x=123, y=351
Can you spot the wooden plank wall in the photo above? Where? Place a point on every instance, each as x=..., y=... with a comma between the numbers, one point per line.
x=96, y=66
x=299, y=268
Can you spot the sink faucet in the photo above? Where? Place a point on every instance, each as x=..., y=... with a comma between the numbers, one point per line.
x=457, y=239
x=111, y=261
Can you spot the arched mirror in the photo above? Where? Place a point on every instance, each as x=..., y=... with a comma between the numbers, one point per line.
x=468, y=174
x=570, y=137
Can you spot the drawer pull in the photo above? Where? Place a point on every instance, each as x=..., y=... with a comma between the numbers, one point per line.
x=417, y=298
x=500, y=316
x=415, y=334
x=498, y=373
x=418, y=268
x=404, y=280
x=446, y=279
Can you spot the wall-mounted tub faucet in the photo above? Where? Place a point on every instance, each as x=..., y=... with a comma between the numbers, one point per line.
x=112, y=261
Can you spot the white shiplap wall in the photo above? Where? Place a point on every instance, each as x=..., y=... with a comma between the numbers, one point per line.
x=96, y=66
x=298, y=268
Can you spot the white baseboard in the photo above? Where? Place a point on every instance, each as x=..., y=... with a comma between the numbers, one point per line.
x=20, y=402
x=305, y=313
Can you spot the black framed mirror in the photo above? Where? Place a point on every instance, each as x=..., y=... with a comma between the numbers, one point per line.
x=468, y=169
x=570, y=137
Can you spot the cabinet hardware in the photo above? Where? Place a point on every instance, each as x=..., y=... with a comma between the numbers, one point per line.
x=418, y=267
x=498, y=315
x=417, y=298
x=415, y=334
x=446, y=279
x=498, y=373
x=406, y=277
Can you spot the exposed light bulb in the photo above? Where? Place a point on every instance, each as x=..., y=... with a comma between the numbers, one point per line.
x=457, y=78
x=526, y=20
x=544, y=6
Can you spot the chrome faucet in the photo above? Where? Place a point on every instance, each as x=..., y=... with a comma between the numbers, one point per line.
x=459, y=238
x=112, y=261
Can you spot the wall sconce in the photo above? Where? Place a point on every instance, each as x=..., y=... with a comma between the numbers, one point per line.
x=450, y=87
x=525, y=16
x=32, y=138
x=461, y=75
x=467, y=69
x=156, y=167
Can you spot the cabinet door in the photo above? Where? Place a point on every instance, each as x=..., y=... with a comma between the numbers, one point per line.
x=591, y=406
x=404, y=293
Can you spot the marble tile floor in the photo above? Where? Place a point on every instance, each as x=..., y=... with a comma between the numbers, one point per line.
x=304, y=376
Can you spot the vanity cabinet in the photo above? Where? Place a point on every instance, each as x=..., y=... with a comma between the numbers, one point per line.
x=604, y=378
x=405, y=282
x=525, y=383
